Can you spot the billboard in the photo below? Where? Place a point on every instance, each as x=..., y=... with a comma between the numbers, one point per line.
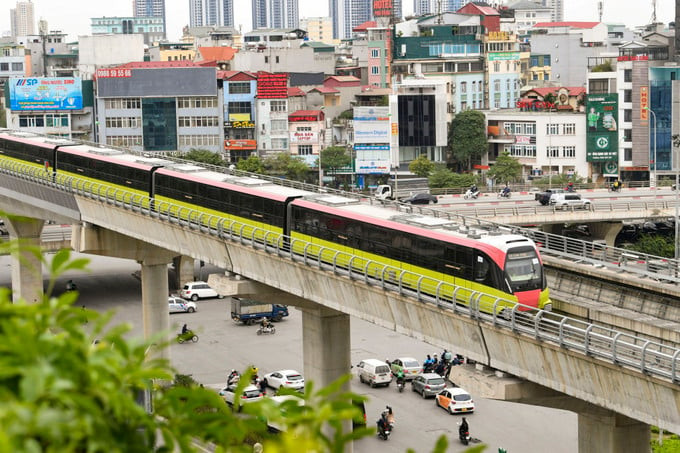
x=304, y=137
x=372, y=125
x=46, y=93
x=272, y=86
x=602, y=133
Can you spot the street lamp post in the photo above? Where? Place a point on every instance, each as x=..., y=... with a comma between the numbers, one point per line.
x=656, y=165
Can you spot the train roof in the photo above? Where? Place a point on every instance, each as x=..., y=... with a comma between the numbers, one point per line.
x=34, y=138
x=440, y=228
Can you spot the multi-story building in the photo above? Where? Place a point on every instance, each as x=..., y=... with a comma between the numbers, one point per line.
x=159, y=106
x=239, y=90
x=451, y=51
x=100, y=51
x=149, y=27
x=538, y=71
x=22, y=21
x=50, y=54
x=150, y=8
x=527, y=13
x=275, y=14
x=307, y=130
x=172, y=51
x=545, y=141
x=556, y=9
x=213, y=36
x=51, y=105
x=502, y=80
x=14, y=62
x=348, y=14
x=271, y=112
x=318, y=29
x=211, y=12
x=424, y=7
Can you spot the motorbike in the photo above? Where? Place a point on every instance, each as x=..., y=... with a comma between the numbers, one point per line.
x=70, y=286
x=383, y=432
x=400, y=386
x=464, y=437
x=266, y=330
x=470, y=194
x=504, y=194
x=187, y=337
x=614, y=188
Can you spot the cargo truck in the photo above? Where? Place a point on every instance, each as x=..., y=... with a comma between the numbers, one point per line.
x=250, y=311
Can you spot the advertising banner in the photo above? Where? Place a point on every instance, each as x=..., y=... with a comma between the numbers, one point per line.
x=644, y=103
x=305, y=137
x=372, y=125
x=373, y=166
x=46, y=93
x=237, y=144
x=601, y=136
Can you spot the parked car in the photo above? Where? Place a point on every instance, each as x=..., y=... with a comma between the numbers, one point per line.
x=198, y=290
x=374, y=372
x=179, y=305
x=410, y=366
x=569, y=200
x=420, y=198
x=428, y=384
x=285, y=378
x=544, y=197
x=251, y=393
x=455, y=399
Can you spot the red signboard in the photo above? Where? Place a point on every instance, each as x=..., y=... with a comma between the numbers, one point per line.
x=382, y=8
x=272, y=86
x=536, y=105
x=240, y=144
x=113, y=72
x=481, y=167
x=294, y=119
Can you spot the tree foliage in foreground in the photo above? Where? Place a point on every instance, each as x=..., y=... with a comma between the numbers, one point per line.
x=69, y=383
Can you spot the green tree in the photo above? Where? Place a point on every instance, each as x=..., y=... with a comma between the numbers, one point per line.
x=252, y=164
x=506, y=169
x=422, y=166
x=653, y=244
x=283, y=164
x=443, y=178
x=205, y=156
x=467, y=137
x=334, y=158
x=550, y=98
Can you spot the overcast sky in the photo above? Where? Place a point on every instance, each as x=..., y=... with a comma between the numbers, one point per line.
x=73, y=16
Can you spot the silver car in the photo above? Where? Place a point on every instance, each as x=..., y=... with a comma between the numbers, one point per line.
x=428, y=384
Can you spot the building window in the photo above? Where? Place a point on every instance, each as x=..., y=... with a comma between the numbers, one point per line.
x=497, y=67
x=305, y=150
x=198, y=121
x=279, y=125
x=497, y=103
x=552, y=129
x=123, y=103
x=375, y=53
x=56, y=120
x=463, y=87
x=627, y=75
x=553, y=151
x=497, y=85
x=199, y=140
x=279, y=143
x=628, y=154
x=569, y=129
x=598, y=86
x=129, y=122
x=17, y=66
x=375, y=70
x=31, y=121
x=277, y=106
x=277, y=59
x=239, y=107
x=196, y=102
x=628, y=135
x=627, y=95
x=124, y=140
x=239, y=87
x=627, y=115
x=569, y=151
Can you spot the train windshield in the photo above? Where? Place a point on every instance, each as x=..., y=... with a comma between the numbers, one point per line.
x=523, y=269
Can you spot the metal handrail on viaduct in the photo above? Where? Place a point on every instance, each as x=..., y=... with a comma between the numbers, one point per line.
x=647, y=357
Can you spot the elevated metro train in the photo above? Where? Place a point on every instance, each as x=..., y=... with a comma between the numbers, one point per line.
x=506, y=266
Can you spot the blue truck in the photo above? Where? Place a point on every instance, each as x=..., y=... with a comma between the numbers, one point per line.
x=250, y=311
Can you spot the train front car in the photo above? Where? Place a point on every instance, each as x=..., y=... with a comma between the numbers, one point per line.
x=435, y=256
x=523, y=271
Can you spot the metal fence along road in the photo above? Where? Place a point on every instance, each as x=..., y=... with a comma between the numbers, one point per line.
x=598, y=342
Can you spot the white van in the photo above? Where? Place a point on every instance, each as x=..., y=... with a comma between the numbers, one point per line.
x=374, y=372
x=569, y=200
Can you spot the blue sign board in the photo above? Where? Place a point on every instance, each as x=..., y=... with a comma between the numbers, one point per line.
x=46, y=93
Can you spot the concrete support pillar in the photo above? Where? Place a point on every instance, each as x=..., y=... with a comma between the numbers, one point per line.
x=155, y=317
x=553, y=228
x=611, y=433
x=606, y=230
x=27, y=279
x=184, y=270
x=326, y=350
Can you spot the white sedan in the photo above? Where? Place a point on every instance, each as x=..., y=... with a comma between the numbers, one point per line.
x=285, y=378
x=179, y=305
x=455, y=400
x=250, y=394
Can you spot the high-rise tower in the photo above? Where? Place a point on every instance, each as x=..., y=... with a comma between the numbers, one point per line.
x=150, y=8
x=347, y=14
x=211, y=12
x=275, y=14
x=22, y=22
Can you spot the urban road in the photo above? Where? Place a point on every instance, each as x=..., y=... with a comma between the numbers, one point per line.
x=112, y=284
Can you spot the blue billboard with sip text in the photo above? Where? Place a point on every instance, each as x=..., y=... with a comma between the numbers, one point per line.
x=46, y=93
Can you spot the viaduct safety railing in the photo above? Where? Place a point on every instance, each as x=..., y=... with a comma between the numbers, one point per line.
x=645, y=356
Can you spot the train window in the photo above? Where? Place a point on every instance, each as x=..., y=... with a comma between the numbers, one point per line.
x=483, y=270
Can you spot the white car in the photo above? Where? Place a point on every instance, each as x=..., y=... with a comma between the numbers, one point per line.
x=198, y=290
x=179, y=305
x=285, y=378
x=409, y=365
x=250, y=394
x=455, y=400
x=569, y=200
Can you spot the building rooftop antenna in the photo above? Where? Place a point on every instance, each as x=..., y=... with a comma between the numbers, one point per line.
x=653, y=11
x=599, y=10
x=439, y=12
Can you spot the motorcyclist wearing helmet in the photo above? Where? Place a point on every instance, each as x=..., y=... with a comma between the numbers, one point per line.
x=401, y=378
x=265, y=323
x=464, y=429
